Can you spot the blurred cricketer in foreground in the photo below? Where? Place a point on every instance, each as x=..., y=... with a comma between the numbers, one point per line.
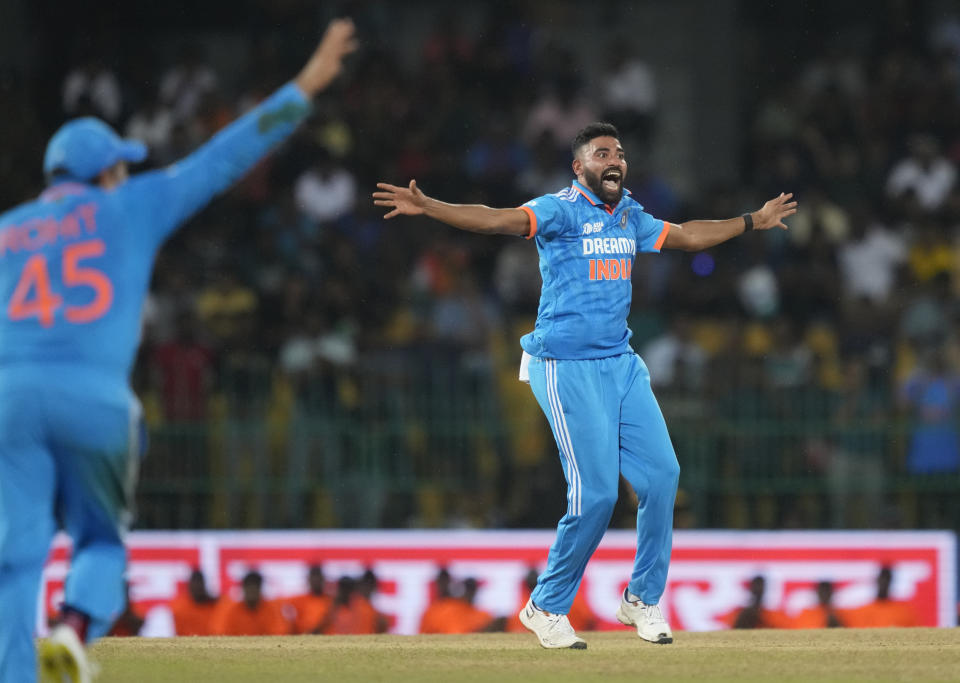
x=75, y=266
x=594, y=390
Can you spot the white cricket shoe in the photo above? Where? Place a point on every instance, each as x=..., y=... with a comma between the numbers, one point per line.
x=649, y=621
x=552, y=630
x=63, y=659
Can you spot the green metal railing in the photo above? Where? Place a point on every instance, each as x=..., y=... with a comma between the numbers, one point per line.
x=427, y=445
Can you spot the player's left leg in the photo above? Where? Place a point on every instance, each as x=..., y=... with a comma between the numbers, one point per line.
x=26, y=529
x=97, y=467
x=648, y=462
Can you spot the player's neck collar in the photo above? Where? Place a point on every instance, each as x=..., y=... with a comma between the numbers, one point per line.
x=593, y=199
x=63, y=188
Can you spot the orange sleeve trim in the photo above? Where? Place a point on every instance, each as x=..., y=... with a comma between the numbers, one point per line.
x=533, y=221
x=663, y=236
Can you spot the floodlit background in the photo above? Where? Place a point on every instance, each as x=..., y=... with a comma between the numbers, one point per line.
x=305, y=364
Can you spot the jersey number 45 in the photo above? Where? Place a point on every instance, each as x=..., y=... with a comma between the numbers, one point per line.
x=34, y=298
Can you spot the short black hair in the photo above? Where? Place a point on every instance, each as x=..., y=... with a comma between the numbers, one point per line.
x=593, y=130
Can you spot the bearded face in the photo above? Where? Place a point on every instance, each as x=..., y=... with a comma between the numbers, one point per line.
x=607, y=184
x=603, y=168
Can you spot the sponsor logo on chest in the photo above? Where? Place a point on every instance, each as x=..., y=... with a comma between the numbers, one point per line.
x=609, y=245
x=609, y=268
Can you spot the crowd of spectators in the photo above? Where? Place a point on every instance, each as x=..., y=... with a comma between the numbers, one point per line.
x=347, y=608
x=290, y=304
x=880, y=612
x=846, y=324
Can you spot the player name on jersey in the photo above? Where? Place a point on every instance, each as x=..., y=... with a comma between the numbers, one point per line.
x=36, y=233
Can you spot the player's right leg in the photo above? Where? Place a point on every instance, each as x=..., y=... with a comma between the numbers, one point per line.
x=583, y=415
x=26, y=528
x=552, y=630
x=99, y=445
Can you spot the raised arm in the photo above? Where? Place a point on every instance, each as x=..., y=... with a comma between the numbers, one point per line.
x=325, y=63
x=410, y=201
x=178, y=191
x=699, y=235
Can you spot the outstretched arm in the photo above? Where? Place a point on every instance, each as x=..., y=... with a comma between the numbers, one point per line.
x=699, y=235
x=410, y=201
x=173, y=194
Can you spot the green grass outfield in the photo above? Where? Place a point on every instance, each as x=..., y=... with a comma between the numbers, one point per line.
x=920, y=654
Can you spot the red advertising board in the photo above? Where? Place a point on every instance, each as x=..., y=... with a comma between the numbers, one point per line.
x=708, y=573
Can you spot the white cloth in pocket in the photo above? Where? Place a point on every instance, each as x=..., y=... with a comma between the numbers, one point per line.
x=525, y=367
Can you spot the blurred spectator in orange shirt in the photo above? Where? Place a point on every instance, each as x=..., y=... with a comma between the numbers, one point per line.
x=450, y=614
x=474, y=618
x=193, y=611
x=823, y=615
x=369, y=620
x=755, y=615
x=341, y=619
x=129, y=622
x=252, y=616
x=444, y=604
x=312, y=607
x=882, y=612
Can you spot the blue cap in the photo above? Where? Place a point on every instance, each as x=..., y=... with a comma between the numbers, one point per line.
x=84, y=147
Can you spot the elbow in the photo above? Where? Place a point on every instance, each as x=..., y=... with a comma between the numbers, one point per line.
x=497, y=228
x=700, y=242
x=685, y=238
x=512, y=231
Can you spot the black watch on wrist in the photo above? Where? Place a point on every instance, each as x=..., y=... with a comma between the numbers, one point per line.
x=747, y=221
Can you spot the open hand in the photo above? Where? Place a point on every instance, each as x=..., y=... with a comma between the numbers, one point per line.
x=338, y=41
x=774, y=211
x=406, y=201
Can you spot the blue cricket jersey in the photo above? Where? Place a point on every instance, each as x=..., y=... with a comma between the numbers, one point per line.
x=75, y=263
x=586, y=258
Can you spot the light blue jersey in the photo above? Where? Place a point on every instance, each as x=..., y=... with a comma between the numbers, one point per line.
x=595, y=391
x=586, y=259
x=75, y=263
x=75, y=267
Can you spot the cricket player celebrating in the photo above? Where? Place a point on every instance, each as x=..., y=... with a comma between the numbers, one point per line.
x=594, y=390
x=75, y=265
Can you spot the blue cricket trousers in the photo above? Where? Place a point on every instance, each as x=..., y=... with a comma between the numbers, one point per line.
x=606, y=421
x=70, y=446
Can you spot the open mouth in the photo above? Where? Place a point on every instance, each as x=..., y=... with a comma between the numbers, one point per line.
x=611, y=179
